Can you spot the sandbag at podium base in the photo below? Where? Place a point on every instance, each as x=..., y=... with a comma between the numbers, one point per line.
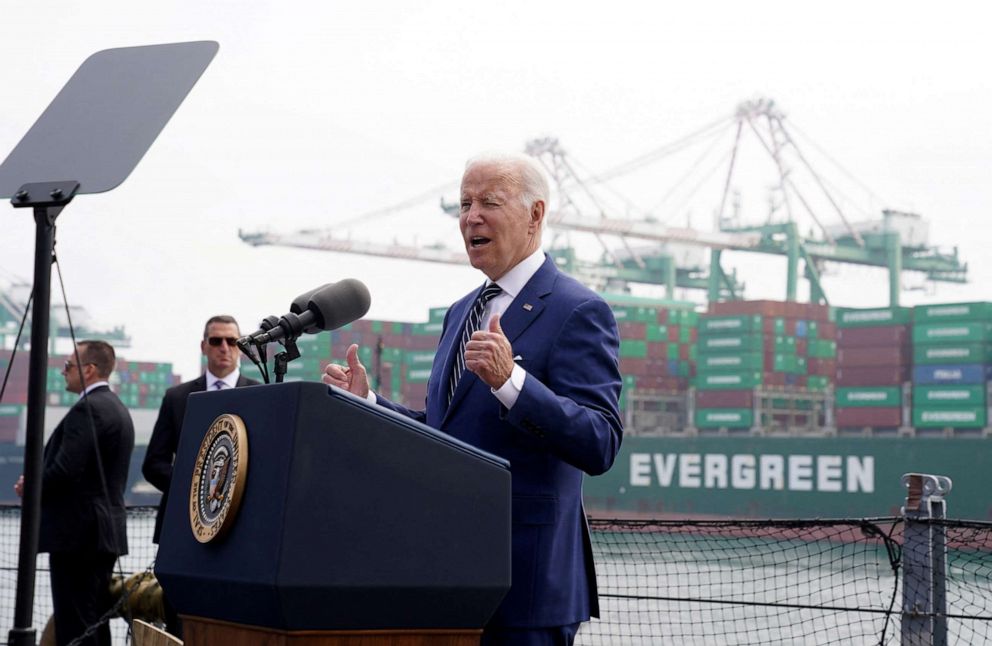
x=198, y=631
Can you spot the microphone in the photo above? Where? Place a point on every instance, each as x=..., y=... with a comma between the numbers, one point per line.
x=327, y=307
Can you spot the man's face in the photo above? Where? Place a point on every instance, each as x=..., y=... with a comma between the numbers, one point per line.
x=219, y=348
x=71, y=370
x=498, y=230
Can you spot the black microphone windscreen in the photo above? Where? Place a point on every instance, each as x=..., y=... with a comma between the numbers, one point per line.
x=339, y=303
x=301, y=302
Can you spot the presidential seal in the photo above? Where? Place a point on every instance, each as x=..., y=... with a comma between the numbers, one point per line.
x=218, y=478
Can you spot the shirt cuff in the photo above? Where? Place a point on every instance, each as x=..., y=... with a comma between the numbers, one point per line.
x=371, y=398
x=507, y=393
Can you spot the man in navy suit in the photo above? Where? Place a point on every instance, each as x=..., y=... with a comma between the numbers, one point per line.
x=219, y=346
x=537, y=383
x=83, y=519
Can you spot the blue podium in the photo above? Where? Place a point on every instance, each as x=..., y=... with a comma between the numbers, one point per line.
x=351, y=520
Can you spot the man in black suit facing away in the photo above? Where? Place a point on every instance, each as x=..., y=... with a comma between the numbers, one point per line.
x=83, y=520
x=220, y=336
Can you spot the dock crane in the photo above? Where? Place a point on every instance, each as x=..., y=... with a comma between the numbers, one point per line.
x=897, y=241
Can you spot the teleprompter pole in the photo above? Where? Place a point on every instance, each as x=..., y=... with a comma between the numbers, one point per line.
x=47, y=200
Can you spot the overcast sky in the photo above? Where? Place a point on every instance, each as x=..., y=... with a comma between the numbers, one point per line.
x=315, y=113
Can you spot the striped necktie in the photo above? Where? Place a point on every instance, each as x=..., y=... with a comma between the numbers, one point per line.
x=219, y=385
x=472, y=324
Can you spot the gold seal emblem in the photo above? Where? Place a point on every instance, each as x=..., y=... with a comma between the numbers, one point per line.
x=218, y=478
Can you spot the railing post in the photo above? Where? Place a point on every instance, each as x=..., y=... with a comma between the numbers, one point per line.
x=924, y=560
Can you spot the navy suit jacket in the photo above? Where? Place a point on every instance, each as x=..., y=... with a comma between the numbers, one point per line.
x=566, y=421
x=164, y=442
x=76, y=515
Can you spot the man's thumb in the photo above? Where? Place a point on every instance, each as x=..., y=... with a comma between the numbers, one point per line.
x=494, y=325
x=352, y=357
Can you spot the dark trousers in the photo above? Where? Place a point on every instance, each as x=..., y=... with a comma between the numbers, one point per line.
x=81, y=595
x=552, y=636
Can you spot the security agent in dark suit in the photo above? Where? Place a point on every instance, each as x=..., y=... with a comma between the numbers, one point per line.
x=220, y=335
x=528, y=371
x=83, y=520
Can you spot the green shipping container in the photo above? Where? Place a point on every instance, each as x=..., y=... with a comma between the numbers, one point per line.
x=952, y=353
x=821, y=348
x=10, y=410
x=869, y=397
x=655, y=332
x=953, y=312
x=817, y=383
x=956, y=417
x=963, y=395
x=427, y=329
x=634, y=314
x=728, y=344
x=419, y=357
x=634, y=348
x=729, y=380
x=963, y=332
x=874, y=317
x=723, y=325
x=418, y=374
x=724, y=417
x=785, y=363
x=750, y=361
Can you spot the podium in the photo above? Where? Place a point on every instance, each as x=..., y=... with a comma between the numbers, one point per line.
x=355, y=526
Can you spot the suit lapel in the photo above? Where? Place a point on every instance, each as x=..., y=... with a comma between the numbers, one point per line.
x=523, y=310
x=448, y=349
x=529, y=303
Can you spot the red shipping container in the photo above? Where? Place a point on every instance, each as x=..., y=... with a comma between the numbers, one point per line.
x=657, y=367
x=873, y=336
x=633, y=330
x=872, y=376
x=724, y=398
x=817, y=312
x=795, y=310
x=821, y=367
x=893, y=356
x=663, y=316
x=633, y=366
x=661, y=382
x=684, y=352
x=827, y=330
x=657, y=350
x=801, y=345
x=8, y=434
x=886, y=417
x=765, y=308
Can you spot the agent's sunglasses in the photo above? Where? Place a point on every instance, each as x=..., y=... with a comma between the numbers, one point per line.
x=215, y=341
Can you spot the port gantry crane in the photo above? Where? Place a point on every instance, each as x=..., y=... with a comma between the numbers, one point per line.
x=897, y=241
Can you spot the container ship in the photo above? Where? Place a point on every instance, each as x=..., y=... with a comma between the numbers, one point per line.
x=748, y=409
x=761, y=408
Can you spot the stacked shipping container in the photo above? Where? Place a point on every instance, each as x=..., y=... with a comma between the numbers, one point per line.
x=782, y=348
x=873, y=362
x=951, y=358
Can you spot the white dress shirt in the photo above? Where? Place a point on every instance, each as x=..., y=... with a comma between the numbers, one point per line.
x=230, y=381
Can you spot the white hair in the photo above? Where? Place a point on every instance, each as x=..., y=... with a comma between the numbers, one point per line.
x=528, y=175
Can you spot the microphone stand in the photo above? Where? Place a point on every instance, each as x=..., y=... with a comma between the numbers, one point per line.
x=283, y=358
x=294, y=328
